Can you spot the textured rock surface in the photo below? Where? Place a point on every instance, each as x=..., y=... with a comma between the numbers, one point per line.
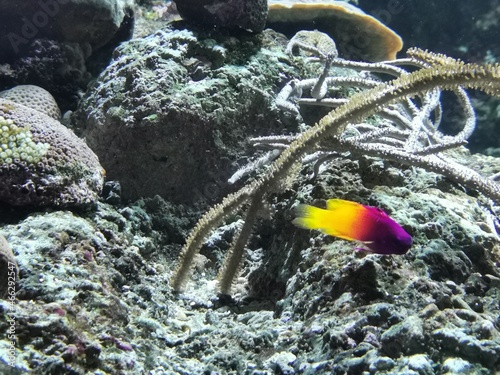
x=43, y=163
x=172, y=112
x=246, y=14
x=90, y=22
x=60, y=44
x=61, y=68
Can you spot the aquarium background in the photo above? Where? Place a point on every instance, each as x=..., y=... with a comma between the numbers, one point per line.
x=147, y=210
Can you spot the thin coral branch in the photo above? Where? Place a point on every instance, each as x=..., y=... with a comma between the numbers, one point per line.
x=446, y=167
x=233, y=260
x=202, y=229
x=266, y=159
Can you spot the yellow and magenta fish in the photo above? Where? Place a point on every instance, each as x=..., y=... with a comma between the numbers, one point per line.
x=353, y=221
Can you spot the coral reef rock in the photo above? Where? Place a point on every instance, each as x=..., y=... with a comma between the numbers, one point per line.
x=247, y=14
x=59, y=45
x=44, y=163
x=172, y=112
x=82, y=21
x=94, y=293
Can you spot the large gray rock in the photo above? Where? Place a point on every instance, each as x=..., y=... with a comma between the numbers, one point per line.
x=171, y=114
x=60, y=44
x=91, y=22
x=246, y=14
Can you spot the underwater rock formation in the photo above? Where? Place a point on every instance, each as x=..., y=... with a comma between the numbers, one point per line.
x=171, y=113
x=246, y=14
x=304, y=303
x=60, y=68
x=43, y=163
x=86, y=22
x=59, y=44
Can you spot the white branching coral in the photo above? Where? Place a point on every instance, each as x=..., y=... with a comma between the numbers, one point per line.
x=408, y=131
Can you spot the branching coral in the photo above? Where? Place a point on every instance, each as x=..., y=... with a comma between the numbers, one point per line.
x=411, y=137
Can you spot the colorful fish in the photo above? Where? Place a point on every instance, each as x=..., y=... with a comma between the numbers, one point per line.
x=356, y=222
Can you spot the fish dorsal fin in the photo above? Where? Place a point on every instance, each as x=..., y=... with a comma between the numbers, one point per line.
x=335, y=204
x=344, y=218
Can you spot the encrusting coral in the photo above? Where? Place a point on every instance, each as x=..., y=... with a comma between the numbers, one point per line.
x=359, y=35
x=437, y=72
x=44, y=163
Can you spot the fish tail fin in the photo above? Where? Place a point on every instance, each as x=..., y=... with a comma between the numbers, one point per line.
x=310, y=217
